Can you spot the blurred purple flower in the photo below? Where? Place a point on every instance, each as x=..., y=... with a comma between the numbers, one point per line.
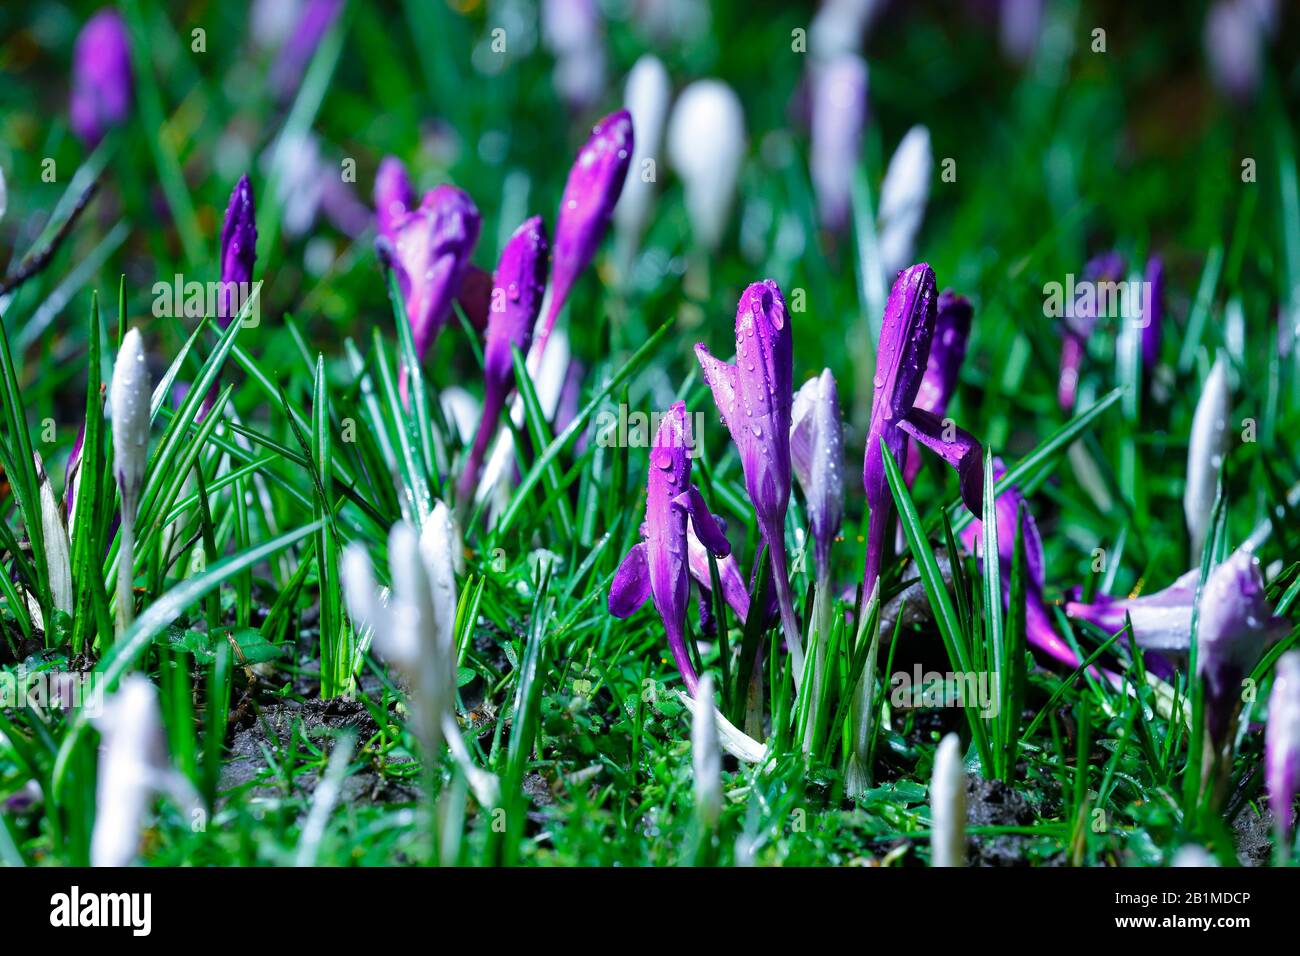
x=901, y=361
x=657, y=567
x=238, y=247
x=519, y=284
x=839, y=113
x=1019, y=25
x=1282, y=743
x=101, y=77
x=316, y=19
x=1076, y=329
x=571, y=30
x=1161, y=621
x=431, y=247
x=590, y=194
x=1155, y=314
x=947, y=351
x=1234, y=627
x=394, y=197
x=754, y=398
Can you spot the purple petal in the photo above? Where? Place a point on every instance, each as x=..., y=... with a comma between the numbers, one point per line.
x=816, y=455
x=1282, y=742
x=702, y=520
x=238, y=245
x=631, y=586
x=394, y=197
x=1154, y=314
x=734, y=591
x=101, y=77
x=955, y=446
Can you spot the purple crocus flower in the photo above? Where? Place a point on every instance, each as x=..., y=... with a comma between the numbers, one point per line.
x=590, y=194
x=394, y=197
x=1011, y=510
x=816, y=453
x=901, y=360
x=1234, y=627
x=517, y=291
x=101, y=77
x=238, y=249
x=657, y=566
x=72, y=473
x=317, y=17
x=1162, y=621
x=1154, y=314
x=1282, y=743
x=734, y=591
x=947, y=351
x=431, y=246
x=839, y=113
x=1078, y=327
x=754, y=399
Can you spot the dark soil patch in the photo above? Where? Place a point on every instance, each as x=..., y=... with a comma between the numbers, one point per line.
x=1253, y=834
x=992, y=803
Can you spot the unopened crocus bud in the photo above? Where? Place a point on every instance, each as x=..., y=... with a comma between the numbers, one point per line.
x=948, y=805
x=571, y=31
x=1154, y=312
x=54, y=533
x=754, y=397
x=706, y=758
x=816, y=453
x=432, y=245
x=518, y=287
x=133, y=767
x=238, y=249
x=646, y=97
x=1080, y=321
x=1234, y=627
x=706, y=146
x=952, y=323
x=593, y=187
x=129, y=394
x=903, y=195
x=656, y=568
x=1282, y=744
x=101, y=77
x=1206, y=447
x=839, y=113
x=394, y=197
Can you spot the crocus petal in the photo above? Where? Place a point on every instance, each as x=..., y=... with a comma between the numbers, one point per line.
x=952, y=323
x=722, y=380
x=1282, y=742
x=839, y=113
x=54, y=533
x=734, y=591
x=706, y=145
x=816, y=455
x=702, y=520
x=1154, y=312
x=948, y=805
x=590, y=193
x=955, y=446
x=1206, y=446
x=129, y=399
x=903, y=195
x=394, y=197
x=238, y=247
x=1161, y=621
x=1234, y=627
x=101, y=77
x=631, y=586
x=475, y=296
x=316, y=19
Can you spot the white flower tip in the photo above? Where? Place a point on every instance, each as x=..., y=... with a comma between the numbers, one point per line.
x=129, y=400
x=948, y=805
x=706, y=757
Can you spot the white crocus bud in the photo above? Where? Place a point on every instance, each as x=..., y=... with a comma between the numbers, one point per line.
x=55, y=533
x=839, y=113
x=706, y=759
x=1206, y=446
x=133, y=768
x=1193, y=855
x=706, y=145
x=129, y=396
x=462, y=411
x=903, y=195
x=948, y=805
x=840, y=26
x=646, y=97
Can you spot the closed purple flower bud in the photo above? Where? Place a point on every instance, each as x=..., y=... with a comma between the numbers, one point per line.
x=952, y=323
x=1234, y=627
x=754, y=398
x=590, y=194
x=1154, y=312
x=394, y=197
x=816, y=454
x=238, y=247
x=101, y=77
x=518, y=286
x=1282, y=743
x=839, y=113
x=431, y=249
x=658, y=566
